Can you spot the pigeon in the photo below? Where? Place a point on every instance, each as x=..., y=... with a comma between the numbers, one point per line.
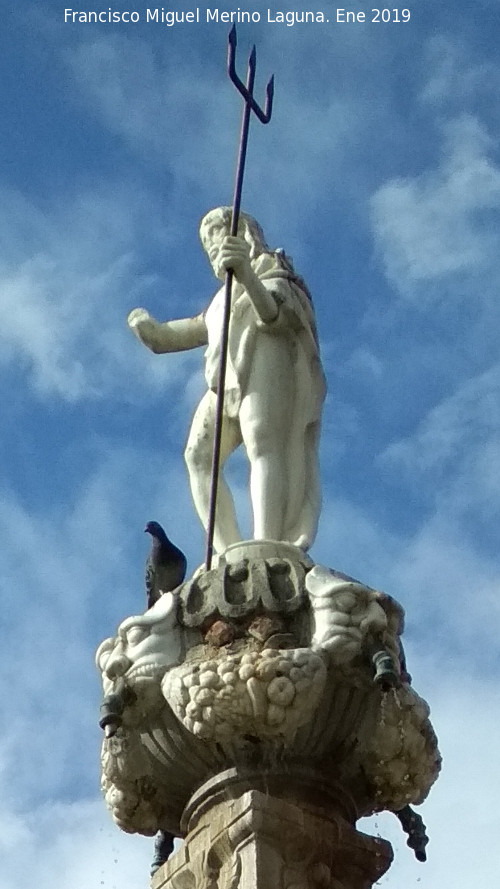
x=164, y=846
x=165, y=565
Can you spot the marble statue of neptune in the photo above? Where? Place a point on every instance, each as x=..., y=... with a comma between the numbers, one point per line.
x=274, y=386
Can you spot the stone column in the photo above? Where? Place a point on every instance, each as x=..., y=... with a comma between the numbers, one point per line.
x=276, y=829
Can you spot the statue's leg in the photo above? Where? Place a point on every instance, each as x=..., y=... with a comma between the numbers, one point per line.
x=198, y=456
x=295, y=456
x=303, y=515
x=265, y=413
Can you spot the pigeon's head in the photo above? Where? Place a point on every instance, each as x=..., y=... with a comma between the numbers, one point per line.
x=156, y=530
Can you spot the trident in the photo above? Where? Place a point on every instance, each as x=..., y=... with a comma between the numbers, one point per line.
x=250, y=105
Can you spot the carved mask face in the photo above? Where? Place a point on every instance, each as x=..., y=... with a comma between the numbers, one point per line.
x=146, y=645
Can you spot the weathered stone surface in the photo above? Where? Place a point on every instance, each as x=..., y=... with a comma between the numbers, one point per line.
x=265, y=693
x=309, y=694
x=288, y=830
x=237, y=590
x=348, y=616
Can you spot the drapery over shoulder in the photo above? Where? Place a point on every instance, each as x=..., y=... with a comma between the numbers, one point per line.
x=294, y=330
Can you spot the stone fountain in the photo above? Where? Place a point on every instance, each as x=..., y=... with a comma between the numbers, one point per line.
x=265, y=708
x=261, y=708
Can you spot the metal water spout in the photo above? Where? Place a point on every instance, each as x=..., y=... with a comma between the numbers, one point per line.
x=385, y=670
x=113, y=706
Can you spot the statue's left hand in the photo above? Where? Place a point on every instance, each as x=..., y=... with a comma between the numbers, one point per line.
x=234, y=253
x=144, y=326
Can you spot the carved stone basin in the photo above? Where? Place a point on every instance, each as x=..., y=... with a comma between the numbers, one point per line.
x=265, y=659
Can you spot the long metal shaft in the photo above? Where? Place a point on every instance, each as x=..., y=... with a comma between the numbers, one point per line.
x=264, y=115
x=240, y=169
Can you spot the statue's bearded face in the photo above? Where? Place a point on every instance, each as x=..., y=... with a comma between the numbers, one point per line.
x=217, y=224
x=213, y=230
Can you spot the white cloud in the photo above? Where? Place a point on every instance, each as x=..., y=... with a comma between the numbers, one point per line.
x=436, y=224
x=73, y=844
x=351, y=541
x=447, y=584
x=184, y=118
x=364, y=364
x=452, y=463
x=69, y=574
x=454, y=430
x=173, y=114
x=68, y=277
x=451, y=592
x=458, y=76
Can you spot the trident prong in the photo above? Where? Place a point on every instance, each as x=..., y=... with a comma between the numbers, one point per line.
x=264, y=116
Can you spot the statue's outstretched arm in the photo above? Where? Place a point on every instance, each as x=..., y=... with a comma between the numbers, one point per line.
x=168, y=336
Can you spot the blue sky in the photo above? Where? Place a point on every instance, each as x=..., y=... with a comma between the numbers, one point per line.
x=380, y=175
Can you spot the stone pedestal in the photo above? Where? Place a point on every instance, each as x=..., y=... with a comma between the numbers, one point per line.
x=273, y=830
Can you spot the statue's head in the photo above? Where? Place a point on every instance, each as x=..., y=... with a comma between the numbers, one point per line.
x=216, y=224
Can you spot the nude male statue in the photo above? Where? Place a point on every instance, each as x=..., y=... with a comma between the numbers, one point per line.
x=274, y=388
